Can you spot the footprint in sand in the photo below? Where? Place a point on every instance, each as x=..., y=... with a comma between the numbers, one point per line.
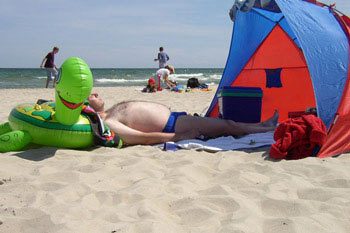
x=127, y=198
x=283, y=208
x=111, y=217
x=195, y=216
x=318, y=170
x=190, y=212
x=215, y=190
x=230, y=229
x=179, y=164
x=101, y=159
x=221, y=204
x=194, y=211
x=131, y=162
x=51, y=186
x=318, y=194
x=337, y=183
x=89, y=168
x=61, y=177
x=45, y=199
x=109, y=198
x=90, y=202
x=37, y=221
x=181, y=204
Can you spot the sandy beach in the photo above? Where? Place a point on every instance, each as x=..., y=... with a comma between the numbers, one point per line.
x=144, y=189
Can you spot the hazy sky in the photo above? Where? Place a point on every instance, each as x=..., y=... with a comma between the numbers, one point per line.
x=118, y=33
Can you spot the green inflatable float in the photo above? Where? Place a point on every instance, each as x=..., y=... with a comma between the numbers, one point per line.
x=60, y=123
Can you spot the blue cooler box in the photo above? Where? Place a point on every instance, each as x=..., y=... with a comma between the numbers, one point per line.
x=240, y=104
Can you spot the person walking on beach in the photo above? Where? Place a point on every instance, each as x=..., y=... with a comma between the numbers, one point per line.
x=163, y=58
x=148, y=123
x=50, y=66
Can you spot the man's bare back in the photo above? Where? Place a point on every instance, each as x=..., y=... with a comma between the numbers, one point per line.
x=140, y=115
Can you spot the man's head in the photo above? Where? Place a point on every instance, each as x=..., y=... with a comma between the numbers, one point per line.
x=55, y=49
x=161, y=49
x=96, y=102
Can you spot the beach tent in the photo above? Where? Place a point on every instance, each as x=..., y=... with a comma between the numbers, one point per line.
x=297, y=51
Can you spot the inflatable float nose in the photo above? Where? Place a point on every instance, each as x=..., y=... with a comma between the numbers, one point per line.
x=73, y=86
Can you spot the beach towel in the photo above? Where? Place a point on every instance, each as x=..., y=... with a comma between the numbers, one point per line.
x=222, y=143
x=299, y=137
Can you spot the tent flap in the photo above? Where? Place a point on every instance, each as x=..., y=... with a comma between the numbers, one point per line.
x=325, y=48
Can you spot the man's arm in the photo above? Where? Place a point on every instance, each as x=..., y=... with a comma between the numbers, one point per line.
x=42, y=63
x=169, y=83
x=134, y=137
x=157, y=59
x=167, y=57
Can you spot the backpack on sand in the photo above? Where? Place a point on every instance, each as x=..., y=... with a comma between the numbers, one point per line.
x=193, y=83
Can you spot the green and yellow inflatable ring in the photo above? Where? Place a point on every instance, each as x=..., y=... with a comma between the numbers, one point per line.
x=61, y=123
x=45, y=130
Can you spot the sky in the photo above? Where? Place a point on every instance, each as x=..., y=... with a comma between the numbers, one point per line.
x=118, y=33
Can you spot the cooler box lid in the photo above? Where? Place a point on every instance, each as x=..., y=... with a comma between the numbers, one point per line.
x=241, y=92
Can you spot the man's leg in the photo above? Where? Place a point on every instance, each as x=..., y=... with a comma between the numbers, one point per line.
x=49, y=74
x=213, y=127
x=55, y=77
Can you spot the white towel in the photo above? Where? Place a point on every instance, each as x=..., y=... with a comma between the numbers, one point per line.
x=224, y=143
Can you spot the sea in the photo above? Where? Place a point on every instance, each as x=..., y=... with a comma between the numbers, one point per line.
x=36, y=78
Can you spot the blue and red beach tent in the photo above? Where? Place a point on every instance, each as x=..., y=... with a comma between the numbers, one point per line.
x=301, y=48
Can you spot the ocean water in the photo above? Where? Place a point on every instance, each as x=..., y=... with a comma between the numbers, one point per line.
x=36, y=78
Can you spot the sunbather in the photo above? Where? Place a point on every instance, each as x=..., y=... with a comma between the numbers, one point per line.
x=147, y=123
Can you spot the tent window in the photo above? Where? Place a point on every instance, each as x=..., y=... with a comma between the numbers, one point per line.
x=273, y=78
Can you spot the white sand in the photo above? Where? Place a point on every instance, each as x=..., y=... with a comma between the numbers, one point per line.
x=143, y=189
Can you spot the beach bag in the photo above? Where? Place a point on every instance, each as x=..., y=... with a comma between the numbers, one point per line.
x=193, y=83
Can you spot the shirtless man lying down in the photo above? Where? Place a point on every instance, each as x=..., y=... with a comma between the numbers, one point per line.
x=147, y=123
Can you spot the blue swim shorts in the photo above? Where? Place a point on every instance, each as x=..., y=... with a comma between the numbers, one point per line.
x=170, y=125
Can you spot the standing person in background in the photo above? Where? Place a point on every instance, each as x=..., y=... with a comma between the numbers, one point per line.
x=50, y=66
x=163, y=58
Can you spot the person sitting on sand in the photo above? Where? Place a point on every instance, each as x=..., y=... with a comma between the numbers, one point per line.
x=151, y=86
x=163, y=75
x=147, y=123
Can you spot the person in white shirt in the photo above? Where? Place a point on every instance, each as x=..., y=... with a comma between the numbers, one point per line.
x=163, y=74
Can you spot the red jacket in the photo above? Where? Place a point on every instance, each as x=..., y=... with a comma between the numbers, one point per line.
x=296, y=138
